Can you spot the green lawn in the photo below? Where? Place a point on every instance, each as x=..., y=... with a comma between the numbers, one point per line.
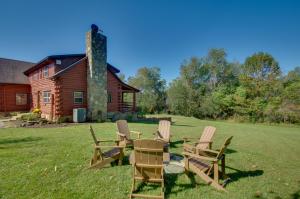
x=263, y=161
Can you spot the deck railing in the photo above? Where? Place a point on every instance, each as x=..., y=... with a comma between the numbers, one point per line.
x=126, y=107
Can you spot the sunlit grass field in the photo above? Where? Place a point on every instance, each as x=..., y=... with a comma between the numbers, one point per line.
x=263, y=161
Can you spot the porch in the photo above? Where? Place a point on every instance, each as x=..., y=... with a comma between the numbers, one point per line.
x=127, y=99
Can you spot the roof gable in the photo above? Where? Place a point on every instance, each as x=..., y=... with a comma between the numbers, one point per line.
x=11, y=71
x=68, y=61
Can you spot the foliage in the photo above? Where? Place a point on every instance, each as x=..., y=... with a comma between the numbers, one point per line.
x=31, y=117
x=152, y=95
x=64, y=119
x=256, y=91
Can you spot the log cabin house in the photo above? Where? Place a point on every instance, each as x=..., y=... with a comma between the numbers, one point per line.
x=60, y=83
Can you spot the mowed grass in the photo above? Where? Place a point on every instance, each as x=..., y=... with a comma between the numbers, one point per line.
x=263, y=162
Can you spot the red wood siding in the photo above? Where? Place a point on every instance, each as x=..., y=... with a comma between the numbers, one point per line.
x=38, y=86
x=113, y=88
x=8, y=97
x=73, y=80
x=62, y=88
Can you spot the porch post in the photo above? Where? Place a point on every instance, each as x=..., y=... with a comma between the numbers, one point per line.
x=133, y=105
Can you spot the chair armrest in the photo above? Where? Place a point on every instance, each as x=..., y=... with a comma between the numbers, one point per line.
x=107, y=146
x=161, y=139
x=108, y=140
x=137, y=132
x=204, y=142
x=209, y=150
x=121, y=134
x=187, y=139
x=191, y=155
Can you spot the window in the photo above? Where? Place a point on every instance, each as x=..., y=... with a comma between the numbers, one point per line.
x=46, y=96
x=58, y=62
x=109, y=98
x=21, y=98
x=78, y=97
x=46, y=71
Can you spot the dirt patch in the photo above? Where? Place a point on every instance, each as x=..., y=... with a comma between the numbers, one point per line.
x=20, y=124
x=53, y=125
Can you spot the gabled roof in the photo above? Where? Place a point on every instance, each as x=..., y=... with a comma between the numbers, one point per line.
x=111, y=68
x=59, y=73
x=50, y=58
x=11, y=71
x=126, y=86
x=78, y=57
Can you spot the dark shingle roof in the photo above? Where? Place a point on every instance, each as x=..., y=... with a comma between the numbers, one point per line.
x=63, y=67
x=11, y=71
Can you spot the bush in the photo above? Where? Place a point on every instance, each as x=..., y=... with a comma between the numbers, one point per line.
x=31, y=117
x=64, y=119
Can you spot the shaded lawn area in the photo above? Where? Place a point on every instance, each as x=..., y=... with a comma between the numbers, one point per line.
x=262, y=160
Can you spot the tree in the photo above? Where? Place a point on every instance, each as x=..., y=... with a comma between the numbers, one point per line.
x=122, y=77
x=203, y=86
x=152, y=96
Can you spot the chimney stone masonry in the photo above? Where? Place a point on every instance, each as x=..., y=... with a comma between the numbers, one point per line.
x=96, y=51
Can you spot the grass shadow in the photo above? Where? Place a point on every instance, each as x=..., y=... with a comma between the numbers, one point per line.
x=144, y=121
x=175, y=143
x=11, y=142
x=184, y=125
x=296, y=195
x=19, y=140
x=170, y=183
x=229, y=151
x=238, y=174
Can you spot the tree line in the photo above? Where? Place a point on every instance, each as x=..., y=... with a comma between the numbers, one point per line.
x=211, y=87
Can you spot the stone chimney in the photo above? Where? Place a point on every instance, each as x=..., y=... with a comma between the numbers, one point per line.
x=96, y=52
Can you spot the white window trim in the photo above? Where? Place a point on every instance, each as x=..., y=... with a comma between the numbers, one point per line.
x=48, y=101
x=82, y=95
x=46, y=68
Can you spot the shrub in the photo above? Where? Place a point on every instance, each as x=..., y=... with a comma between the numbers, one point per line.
x=31, y=117
x=63, y=119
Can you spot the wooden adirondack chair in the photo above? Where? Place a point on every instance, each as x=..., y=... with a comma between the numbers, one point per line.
x=123, y=133
x=205, y=141
x=207, y=164
x=163, y=132
x=148, y=166
x=101, y=158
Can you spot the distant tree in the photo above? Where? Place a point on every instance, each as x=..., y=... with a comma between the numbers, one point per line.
x=289, y=108
x=177, y=98
x=122, y=77
x=152, y=97
x=260, y=79
x=196, y=92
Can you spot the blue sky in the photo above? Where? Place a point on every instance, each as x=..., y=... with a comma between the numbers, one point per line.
x=152, y=33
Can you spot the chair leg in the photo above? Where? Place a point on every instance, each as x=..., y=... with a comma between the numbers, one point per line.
x=210, y=181
x=121, y=157
x=163, y=189
x=223, y=167
x=216, y=172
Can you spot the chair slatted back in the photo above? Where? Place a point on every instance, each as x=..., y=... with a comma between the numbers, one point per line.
x=94, y=136
x=206, y=136
x=122, y=126
x=164, y=129
x=97, y=143
x=224, y=147
x=148, y=155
